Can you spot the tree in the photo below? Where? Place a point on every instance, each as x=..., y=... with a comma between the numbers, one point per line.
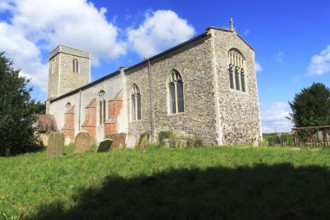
x=39, y=107
x=311, y=107
x=16, y=111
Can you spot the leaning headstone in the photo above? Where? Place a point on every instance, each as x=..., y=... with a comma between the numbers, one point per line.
x=104, y=146
x=83, y=142
x=55, y=147
x=144, y=140
x=118, y=141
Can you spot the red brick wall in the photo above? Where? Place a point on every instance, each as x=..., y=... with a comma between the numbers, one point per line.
x=89, y=124
x=114, y=107
x=68, y=128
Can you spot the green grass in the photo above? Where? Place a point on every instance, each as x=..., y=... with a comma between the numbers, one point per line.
x=156, y=183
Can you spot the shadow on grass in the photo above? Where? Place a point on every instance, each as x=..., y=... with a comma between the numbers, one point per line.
x=259, y=192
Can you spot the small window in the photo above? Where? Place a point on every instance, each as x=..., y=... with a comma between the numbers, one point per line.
x=135, y=103
x=237, y=78
x=180, y=95
x=172, y=97
x=75, y=66
x=175, y=89
x=68, y=106
x=102, y=107
x=231, y=77
x=243, y=81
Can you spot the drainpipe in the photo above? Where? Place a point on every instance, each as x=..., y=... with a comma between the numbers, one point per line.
x=150, y=101
x=79, y=110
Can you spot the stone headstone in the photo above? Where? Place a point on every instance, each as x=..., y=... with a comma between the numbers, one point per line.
x=255, y=143
x=83, y=142
x=118, y=141
x=181, y=143
x=144, y=140
x=104, y=146
x=55, y=146
x=166, y=143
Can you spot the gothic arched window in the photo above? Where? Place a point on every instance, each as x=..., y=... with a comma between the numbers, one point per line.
x=135, y=103
x=175, y=89
x=236, y=70
x=102, y=107
x=75, y=66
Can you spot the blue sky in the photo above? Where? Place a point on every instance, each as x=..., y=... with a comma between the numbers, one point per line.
x=291, y=39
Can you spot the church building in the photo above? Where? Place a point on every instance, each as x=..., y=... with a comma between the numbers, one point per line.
x=204, y=88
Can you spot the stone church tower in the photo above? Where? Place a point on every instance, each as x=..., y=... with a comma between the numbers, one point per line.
x=69, y=69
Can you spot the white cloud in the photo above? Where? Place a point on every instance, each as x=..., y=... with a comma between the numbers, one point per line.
x=320, y=64
x=161, y=30
x=33, y=28
x=36, y=26
x=25, y=54
x=76, y=23
x=279, y=56
x=6, y=5
x=258, y=67
x=275, y=118
x=246, y=32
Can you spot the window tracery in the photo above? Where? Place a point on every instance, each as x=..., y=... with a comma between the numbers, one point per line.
x=135, y=103
x=236, y=70
x=175, y=88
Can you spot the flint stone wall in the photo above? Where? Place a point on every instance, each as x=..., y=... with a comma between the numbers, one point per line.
x=198, y=119
x=62, y=79
x=239, y=111
x=212, y=111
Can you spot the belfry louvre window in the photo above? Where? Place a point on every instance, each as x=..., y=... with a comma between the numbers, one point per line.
x=135, y=103
x=236, y=70
x=102, y=107
x=175, y=89
x=75, y=66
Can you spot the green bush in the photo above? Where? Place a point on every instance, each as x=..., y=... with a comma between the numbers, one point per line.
x=198, y=143
x=164, y=135
x=194, y=142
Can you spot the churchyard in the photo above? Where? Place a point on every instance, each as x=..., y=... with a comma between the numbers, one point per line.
x=167, y=183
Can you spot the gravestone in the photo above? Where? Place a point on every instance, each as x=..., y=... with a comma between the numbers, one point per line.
x=255, y=143
x=55, y=147
x=118, y=141
x=83, y=142
x=181, y=143
x=166, y=143
x=104, y=146
x=144, y=140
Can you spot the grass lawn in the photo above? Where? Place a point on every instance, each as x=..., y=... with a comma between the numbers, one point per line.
x=156, y=183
